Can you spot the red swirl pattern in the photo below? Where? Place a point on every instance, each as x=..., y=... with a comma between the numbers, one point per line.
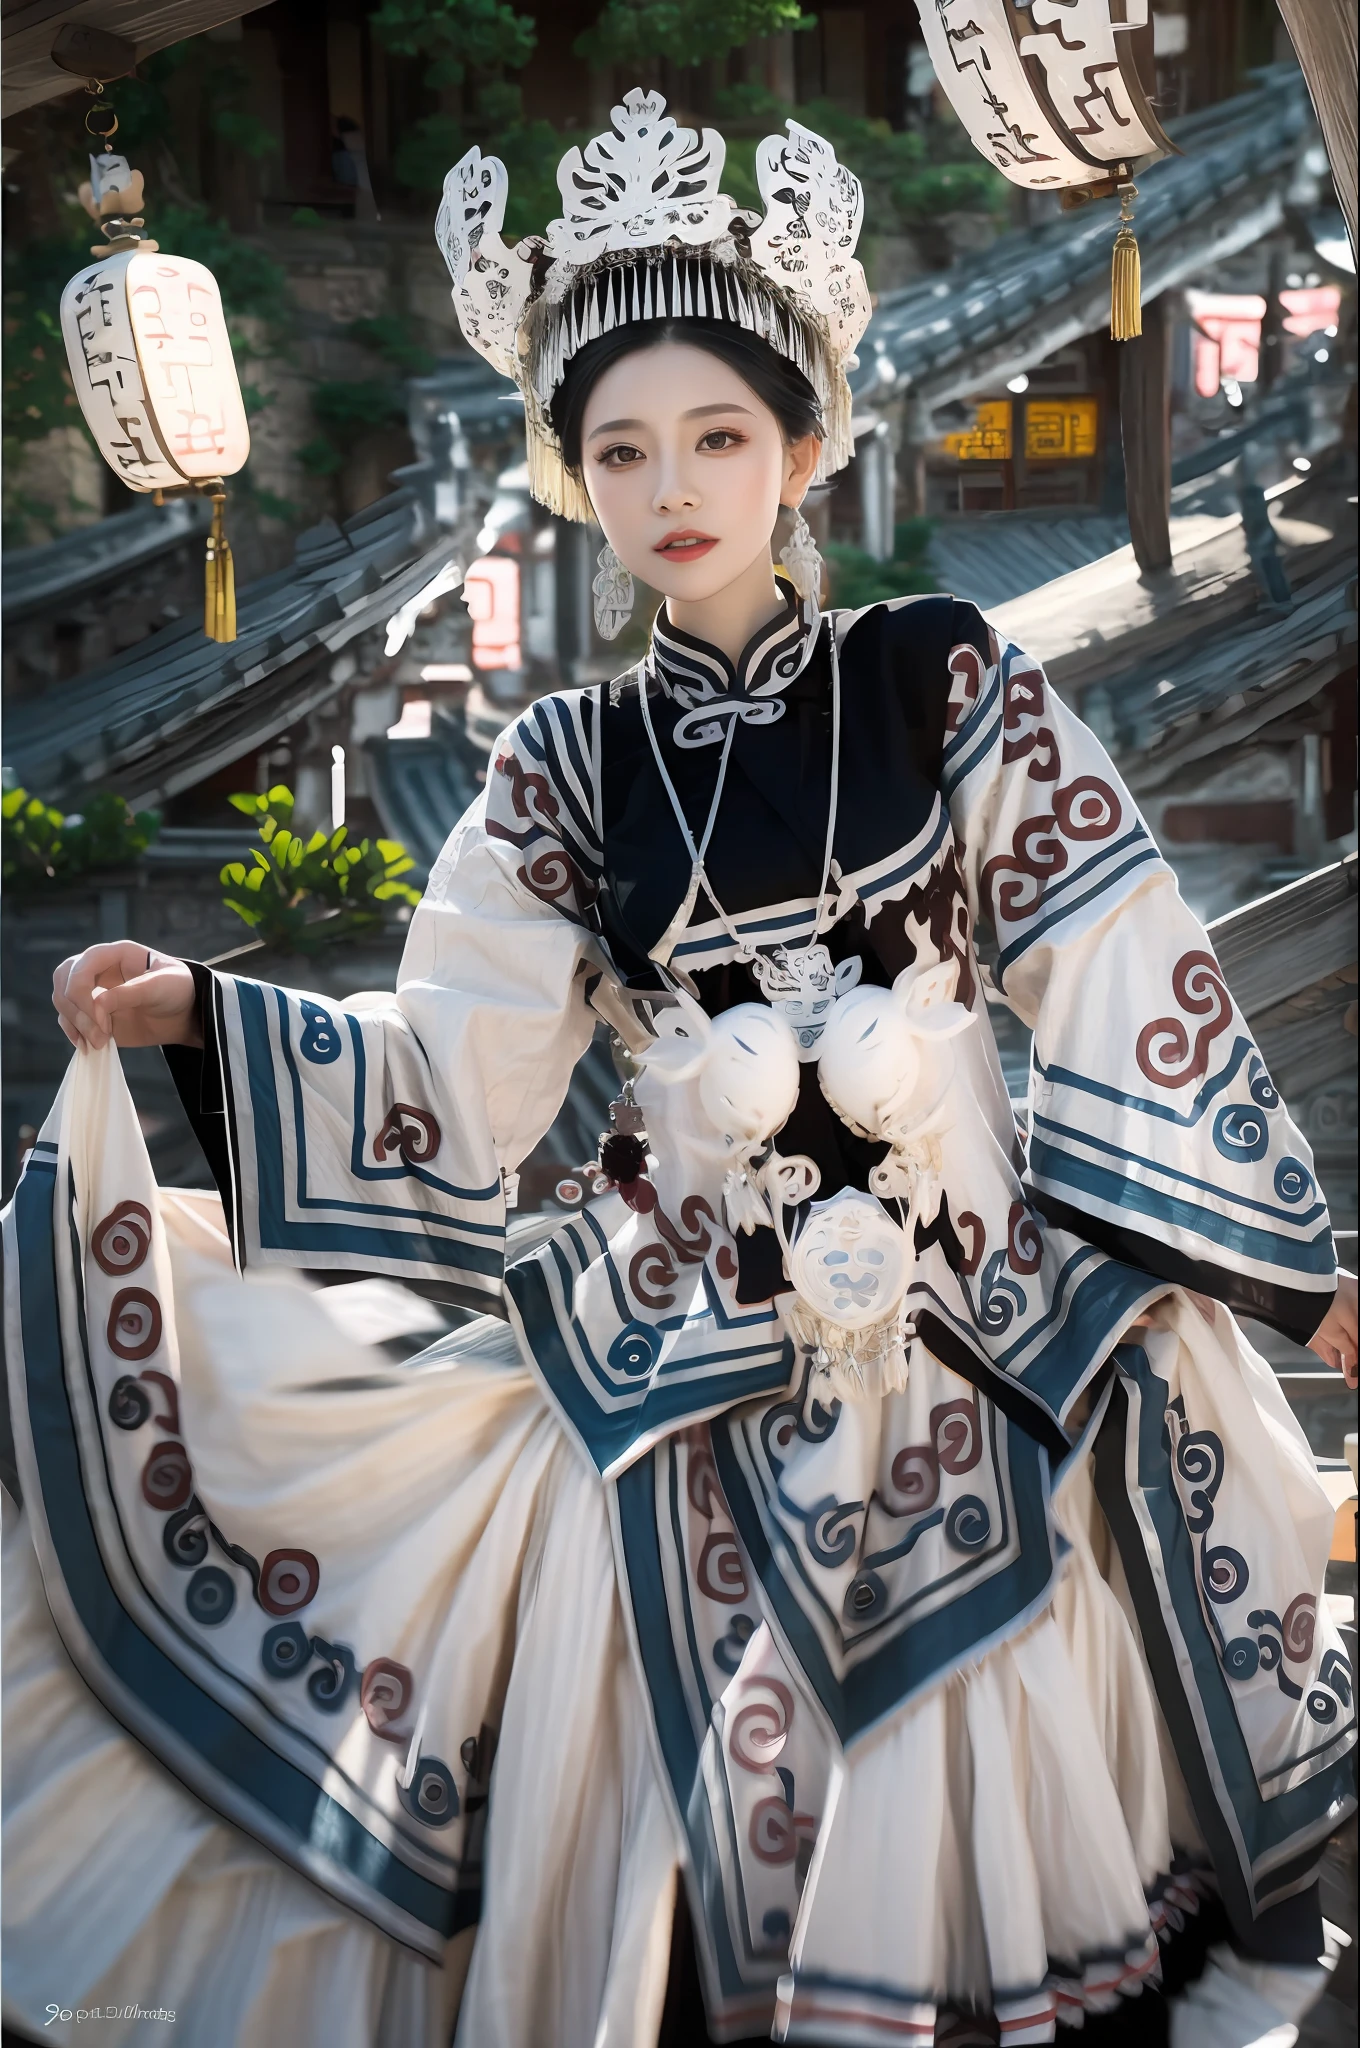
x=288, y=1581
x=701, y=1474
x=1034, y=857
x=650, y=1268
x=167, y=1477
x=977, y=1241
x=969, y=671
x=1163, y=1050
x=1024, y=1245
x=916, y=1476
x=167, y=1417
x=530, y=794
x=955, y=1446
x=940, y=903
x=1087, y=809
x=957, y=1436
x=760, y=1729
x=410, y=1131
x=720, y=1573
x=775, y=1834
x=134, y=1327
x=1298, y=1627
x=386, y=1691
x=695, y=1216
x=121, y=1242
x=553, y=874
x=1025, y=701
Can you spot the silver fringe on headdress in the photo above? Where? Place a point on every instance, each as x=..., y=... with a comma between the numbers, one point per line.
x=647, y=236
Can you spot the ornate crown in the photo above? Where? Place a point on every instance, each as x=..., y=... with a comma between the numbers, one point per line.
x=645, y=234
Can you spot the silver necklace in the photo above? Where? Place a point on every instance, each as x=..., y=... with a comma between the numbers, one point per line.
x=800, y=982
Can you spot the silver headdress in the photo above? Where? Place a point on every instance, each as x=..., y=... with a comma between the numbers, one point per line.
x=645, y=234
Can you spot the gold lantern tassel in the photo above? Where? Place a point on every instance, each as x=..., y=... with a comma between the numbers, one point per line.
x=219, y=607
x=1126, y=274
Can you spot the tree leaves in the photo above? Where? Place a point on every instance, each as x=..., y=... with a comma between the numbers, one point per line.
x=306, y=892
x=686, y=31
x=43, y=848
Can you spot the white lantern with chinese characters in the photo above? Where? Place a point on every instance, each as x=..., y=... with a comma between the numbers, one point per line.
x=152, y=367
x=1052, y=93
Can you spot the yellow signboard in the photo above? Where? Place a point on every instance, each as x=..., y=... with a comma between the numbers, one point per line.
x=1058, y=429
x=989, y=437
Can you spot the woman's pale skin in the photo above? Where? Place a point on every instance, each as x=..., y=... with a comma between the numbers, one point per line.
x=686, y=470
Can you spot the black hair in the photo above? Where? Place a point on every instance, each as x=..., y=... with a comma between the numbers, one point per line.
x=776, y=382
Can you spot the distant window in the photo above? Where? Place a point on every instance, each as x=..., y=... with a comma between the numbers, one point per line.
x=1227, y=338
x=1170, y=35
x=989, y=438
x=1316, y=307
x=491, y=591
x=1061, y=429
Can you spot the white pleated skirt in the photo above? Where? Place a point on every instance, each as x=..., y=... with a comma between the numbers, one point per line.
x=1024, y=1810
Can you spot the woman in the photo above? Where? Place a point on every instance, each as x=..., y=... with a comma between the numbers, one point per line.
x=889, y=1533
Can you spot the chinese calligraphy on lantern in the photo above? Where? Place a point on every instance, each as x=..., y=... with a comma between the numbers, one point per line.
x=187, y=367
x=151, y=365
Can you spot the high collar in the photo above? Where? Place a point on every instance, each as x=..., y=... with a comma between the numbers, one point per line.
x=709, y=691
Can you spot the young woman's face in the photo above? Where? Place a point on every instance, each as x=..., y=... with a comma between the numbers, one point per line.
x=687, y=469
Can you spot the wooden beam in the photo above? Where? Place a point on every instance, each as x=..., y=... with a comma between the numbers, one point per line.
x=1323, y=33
x=32, y=26
x=1145, y=426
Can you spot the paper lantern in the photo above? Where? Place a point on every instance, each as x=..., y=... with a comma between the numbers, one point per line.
x=152, y=367
x=1055, y=94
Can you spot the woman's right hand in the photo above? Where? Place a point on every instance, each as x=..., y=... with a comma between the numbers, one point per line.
x=126, y=992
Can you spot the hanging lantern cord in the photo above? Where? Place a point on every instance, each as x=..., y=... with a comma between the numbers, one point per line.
x=95, y=88
x=1126, y=278
x=219, y=607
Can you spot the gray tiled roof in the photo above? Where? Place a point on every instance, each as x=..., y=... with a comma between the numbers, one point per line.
x=991, y=557
x=92, y=556
x=423, y=787
x=1226, y=683
x=1289, y=959
x=1034, y=291
x=169, y=711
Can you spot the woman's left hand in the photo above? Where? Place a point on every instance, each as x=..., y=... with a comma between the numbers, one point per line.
x=1336, y=1339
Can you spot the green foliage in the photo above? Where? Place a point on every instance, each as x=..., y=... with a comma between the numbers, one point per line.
x=345, y=408
x=321, y=457
x=300, y=894
x=41, y=847
x=909, y=177
x=426, y=149
x=145, y=120
x=530, y=151
x=388, y=337
x=355, y=406
x=857, y=579
x=686, y=31
x=456, y=37
x=38, y=393
x=249, y=279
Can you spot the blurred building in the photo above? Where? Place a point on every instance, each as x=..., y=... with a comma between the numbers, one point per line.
x=987, y=406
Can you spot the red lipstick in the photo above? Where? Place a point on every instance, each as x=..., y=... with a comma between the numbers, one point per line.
x=685, y=545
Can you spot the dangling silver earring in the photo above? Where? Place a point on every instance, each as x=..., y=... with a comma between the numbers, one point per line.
x=802, y=561
x=613, y=593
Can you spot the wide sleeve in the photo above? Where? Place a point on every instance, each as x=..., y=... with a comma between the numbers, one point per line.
x=1155, y=1130
x=382, y=1133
